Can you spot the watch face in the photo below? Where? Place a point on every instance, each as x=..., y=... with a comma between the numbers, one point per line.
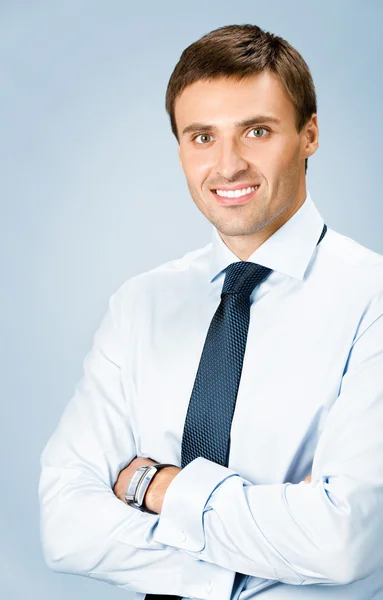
x=144, y=483
x=134, y=481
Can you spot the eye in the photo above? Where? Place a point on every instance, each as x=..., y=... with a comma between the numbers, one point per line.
x=258, y=129
x=203, y=137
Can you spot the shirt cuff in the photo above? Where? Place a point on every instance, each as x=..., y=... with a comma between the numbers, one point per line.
x=207, y=581
x=181, y=519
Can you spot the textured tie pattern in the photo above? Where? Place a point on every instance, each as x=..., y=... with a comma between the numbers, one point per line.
x=211, y=408
x=212, y=403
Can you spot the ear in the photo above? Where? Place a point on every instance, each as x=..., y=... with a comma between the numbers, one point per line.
x=310, y=137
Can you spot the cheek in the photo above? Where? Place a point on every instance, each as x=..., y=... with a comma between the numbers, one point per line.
x=196, y=168
x=277, y=160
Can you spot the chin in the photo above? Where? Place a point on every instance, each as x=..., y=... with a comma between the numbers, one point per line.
x=235, y=229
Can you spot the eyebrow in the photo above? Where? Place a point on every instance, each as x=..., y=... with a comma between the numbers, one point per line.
x=257, y=120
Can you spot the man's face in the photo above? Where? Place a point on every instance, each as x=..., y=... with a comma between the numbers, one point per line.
x=236, y=135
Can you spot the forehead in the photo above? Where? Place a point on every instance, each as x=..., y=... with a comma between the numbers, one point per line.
x=224, y=100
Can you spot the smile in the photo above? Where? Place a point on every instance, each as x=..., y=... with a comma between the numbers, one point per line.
x=236, y=193
x=238, y=196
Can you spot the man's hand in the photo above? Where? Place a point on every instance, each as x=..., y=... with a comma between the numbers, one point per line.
x=155, y=493
x=124, y=477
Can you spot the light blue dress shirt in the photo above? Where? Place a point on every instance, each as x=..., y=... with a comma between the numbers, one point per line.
x=310, y=402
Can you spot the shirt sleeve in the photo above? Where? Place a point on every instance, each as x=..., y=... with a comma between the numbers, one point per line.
x=326, y=532
x=85, y=529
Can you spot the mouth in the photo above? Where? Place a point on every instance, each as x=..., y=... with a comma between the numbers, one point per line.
x=230, y=197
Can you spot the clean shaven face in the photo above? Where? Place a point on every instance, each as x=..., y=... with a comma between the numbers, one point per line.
x=242, y=156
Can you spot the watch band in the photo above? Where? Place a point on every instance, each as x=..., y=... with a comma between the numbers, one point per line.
x=139, y=483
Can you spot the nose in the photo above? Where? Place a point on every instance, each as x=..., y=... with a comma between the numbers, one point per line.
x=230, y=159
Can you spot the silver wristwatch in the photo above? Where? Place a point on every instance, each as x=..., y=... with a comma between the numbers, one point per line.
x=139, y=483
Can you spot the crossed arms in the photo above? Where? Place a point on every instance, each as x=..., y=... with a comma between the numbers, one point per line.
x=327, y=531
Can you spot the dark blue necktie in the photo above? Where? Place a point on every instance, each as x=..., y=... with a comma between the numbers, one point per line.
x=211, y=407
x=212, y=403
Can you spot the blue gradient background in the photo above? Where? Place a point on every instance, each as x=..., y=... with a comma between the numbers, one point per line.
x=92, y=193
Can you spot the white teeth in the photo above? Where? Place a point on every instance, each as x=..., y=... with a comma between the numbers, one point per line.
x=236, y=193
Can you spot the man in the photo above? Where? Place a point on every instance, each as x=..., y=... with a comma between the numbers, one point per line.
x=277, y=300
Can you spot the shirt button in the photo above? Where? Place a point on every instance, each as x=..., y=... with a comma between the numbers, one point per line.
x=208, y=587
x=182, y=536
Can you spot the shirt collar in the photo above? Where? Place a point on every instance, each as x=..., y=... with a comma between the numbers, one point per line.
x=287, y=251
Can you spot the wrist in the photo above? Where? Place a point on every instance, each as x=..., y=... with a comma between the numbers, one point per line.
x=155, y=493
x=141, y=480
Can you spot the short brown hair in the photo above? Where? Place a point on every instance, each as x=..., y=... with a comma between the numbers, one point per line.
x=238, y=52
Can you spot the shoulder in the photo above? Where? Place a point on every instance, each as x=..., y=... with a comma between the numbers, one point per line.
x=178, y=271
x=350, y=252
x=349, y=259
x=353, y=272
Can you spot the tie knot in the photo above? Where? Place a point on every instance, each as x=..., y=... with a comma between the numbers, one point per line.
x=242, y=277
